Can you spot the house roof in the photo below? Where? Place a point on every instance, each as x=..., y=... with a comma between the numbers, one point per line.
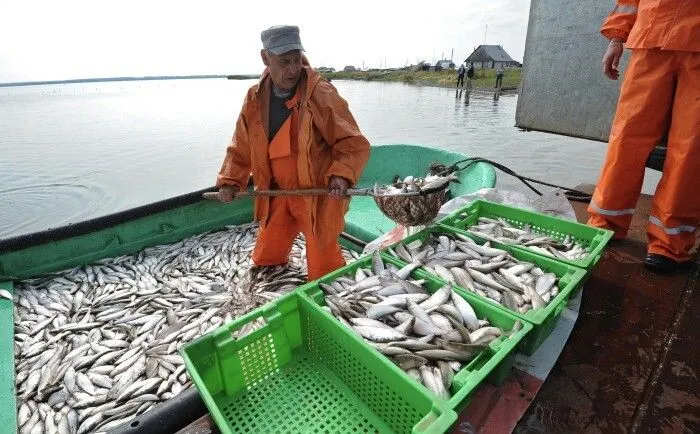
x=487, y=53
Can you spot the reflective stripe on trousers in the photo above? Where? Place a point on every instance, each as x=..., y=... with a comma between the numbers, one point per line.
x=610, y=212
x=671, y=231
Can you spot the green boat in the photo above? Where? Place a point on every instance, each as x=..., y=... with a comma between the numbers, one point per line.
x=180, y=217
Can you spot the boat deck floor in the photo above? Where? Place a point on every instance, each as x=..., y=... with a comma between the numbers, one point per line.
x=631, y=362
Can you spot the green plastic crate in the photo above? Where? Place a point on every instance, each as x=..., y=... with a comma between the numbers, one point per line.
x=494, y=364
x=593, y=239
x=301, y=372
x=571, y=279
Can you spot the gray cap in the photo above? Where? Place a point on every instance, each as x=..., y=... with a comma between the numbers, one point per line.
x=280, y=39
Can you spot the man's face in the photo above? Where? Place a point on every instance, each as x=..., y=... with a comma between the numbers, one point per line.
x=285, y=69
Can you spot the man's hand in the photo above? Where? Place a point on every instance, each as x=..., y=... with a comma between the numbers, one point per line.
x=227, y=193
x=611, y=59
x=338, y=186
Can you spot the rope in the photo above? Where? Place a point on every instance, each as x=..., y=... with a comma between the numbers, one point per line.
x=570, y=193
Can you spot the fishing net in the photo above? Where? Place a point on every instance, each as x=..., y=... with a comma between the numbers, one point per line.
x=412, y=210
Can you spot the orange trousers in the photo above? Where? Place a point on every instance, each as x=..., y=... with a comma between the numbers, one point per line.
x=288, y=216
x=660, y=92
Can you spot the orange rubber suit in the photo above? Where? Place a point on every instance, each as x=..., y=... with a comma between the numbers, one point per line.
x=319, y=139
x=661, y=89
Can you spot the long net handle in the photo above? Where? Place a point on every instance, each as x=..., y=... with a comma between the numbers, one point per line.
x=300, y=192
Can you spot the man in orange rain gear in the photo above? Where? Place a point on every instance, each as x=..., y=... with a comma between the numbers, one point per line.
x=294, y=131
x=660, y=92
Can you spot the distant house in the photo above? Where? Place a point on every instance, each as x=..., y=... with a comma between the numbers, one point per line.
x=349, y=68
x=444, y=64
x=490, y=57
x=325, y=69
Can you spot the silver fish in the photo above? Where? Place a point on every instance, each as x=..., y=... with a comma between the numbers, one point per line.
x=490, y=272
x=379, y=334
x=415, y=330
x=94, y=334
x=409, y=361
x=502, y=231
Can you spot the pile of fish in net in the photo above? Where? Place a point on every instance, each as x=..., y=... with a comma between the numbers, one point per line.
x=429, y=336
x=411, y=184
x=413, y=201
x=493, y=273
x=499, y=230
x=98, y=344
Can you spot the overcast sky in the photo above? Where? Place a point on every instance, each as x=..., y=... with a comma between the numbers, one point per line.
x=49, y=40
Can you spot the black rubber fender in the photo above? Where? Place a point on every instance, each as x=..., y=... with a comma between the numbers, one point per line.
x=167, y=417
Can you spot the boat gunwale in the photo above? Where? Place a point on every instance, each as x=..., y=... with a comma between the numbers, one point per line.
x=103, y=222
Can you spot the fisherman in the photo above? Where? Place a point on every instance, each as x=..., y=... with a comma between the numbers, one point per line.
x=294, y=132
x=470, y=75
x=460, y=75
x=499, y=76
x=660, y=92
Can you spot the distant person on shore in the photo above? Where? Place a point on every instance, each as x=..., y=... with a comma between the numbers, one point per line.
x=660, y=93
x=460, y=75
x=499, y=76
x=294, y=132
x=470, y=75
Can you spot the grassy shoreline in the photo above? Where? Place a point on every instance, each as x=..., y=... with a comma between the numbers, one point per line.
x=483, y=79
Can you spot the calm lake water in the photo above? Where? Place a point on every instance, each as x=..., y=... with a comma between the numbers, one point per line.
x=76, y=151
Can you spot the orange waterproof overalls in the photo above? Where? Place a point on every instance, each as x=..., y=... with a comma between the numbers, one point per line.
x=660, y=93
x=289, y=215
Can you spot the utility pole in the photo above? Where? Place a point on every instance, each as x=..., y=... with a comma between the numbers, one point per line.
x=452, y=55
x=485, y=30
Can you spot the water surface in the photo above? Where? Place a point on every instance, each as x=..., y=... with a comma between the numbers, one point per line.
x=76, y=151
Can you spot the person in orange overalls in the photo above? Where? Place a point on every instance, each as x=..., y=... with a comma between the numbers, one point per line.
x=660, y=93
x=294, y=132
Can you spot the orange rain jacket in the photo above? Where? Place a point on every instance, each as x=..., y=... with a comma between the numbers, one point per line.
x=664, y=24
x=330, y=144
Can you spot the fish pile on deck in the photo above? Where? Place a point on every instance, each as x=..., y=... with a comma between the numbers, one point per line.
x=97, y=345
x=429, y=336
x=499, y=230
x=493, y=273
